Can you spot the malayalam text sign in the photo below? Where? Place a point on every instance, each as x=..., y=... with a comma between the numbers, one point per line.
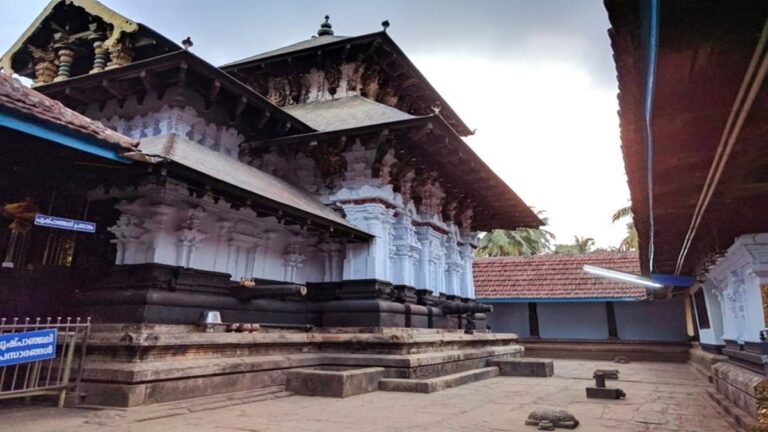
x=64, y=223
x=16, y=348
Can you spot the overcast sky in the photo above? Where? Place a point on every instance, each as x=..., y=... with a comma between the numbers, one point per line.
x=534, y=77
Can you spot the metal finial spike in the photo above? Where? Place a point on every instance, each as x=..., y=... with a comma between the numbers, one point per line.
x=385, y=24
x=326, y=29
x=187, y=43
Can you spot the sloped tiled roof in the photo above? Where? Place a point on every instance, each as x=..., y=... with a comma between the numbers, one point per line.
x=298, y=46
x=345, y=113
x=14, y=96
x=232, y=171
x=556, y=276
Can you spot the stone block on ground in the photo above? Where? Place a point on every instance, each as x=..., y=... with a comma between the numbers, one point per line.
x=336, y=382
x=605, y=393
x=524, y=367
x=552, y=418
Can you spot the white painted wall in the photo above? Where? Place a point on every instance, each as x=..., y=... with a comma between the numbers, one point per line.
x=509, y=318
x=734, y=283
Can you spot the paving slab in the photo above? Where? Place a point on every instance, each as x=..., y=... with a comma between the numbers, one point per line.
x=660, y=397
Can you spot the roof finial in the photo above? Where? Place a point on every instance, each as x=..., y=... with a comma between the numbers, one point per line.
x=385, y=24
x=326, y=29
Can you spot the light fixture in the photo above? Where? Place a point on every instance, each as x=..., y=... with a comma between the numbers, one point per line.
x=621, y=276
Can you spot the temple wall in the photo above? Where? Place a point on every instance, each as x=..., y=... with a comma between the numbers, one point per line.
x=418, y=241
x=163, y=224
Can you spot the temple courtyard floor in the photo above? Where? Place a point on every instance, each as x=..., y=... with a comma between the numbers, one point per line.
x=660, y=397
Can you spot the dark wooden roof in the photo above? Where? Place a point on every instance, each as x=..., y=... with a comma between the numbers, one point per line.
x=704, y=52
x=435, y=146
x=247, y=108
x=377, y=47
x=556, y=277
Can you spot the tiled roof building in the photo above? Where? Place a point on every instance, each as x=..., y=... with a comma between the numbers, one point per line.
x=556, y=276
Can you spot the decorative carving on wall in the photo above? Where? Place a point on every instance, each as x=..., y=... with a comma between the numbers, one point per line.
x=406, y=186
x=183, y=122
x=430, y=194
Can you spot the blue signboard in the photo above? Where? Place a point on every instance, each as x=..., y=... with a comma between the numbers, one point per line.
x=27, y=347
x=64, y=223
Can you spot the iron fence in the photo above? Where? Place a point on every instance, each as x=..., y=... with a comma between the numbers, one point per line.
x=52, y=376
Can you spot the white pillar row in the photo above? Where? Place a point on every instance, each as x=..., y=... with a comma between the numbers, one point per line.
x=365, y=261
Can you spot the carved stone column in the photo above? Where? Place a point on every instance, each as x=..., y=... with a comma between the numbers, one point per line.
x=190, y=235
x=99, y=56
x=45, y=64
x=128, y=231
x=293, y=259
x=223, y=234
x=120, y=54
x=332, y=264
x=66, y=56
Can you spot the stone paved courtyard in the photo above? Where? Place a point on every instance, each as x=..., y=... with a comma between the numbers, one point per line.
x=660, y=397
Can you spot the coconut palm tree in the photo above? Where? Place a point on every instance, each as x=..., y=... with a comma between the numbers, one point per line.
x=583, y=244
x=522, y=241
x=629, y=242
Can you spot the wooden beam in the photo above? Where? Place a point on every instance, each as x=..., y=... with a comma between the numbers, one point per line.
x=149, y=82
x=213, y=94
x=241, y=104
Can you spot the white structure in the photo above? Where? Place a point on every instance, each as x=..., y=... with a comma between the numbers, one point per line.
x=735, y=291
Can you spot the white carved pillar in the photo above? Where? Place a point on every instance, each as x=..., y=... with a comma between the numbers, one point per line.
x=189, y=236
x=128, y=231
x=223, y=234
x=293, y=259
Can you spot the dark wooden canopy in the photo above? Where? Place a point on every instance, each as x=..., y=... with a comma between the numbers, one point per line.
x=252, y=114
x=429, y=144
x=378, y=48
x=704, y=54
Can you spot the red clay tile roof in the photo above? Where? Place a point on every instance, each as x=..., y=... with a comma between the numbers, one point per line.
x=555, y=276
x=16, y=97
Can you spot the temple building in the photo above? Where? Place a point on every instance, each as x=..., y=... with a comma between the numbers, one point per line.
x=324, y=185
x=693, y=124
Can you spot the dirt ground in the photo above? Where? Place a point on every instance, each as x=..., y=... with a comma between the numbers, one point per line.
x=660, y=397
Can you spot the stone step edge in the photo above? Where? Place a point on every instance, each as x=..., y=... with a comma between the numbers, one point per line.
x=172, y=412
x=439, y=383
x=734, y=415
x=216, y=398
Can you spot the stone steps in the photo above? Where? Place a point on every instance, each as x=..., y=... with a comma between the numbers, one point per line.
x=734, y=415
x=208, y=403
x=440, y=383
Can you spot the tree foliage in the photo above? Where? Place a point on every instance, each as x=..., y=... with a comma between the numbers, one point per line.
x=520, y=242
x=630, y=242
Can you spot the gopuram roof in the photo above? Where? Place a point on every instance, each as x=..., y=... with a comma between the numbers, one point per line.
x=556, y=277
x=378, y=48
x=704, y=183
x=365, y=88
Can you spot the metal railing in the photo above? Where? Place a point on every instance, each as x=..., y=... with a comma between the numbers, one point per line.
x=53, y=376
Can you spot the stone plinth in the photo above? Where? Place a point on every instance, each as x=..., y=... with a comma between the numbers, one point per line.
x=333, y=381
x=526, y=367
x=131, y=365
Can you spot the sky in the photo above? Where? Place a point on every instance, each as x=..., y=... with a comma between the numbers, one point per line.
x=534, y=77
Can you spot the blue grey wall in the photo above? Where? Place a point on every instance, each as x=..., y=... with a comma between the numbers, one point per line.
x=655, y=320
x=509, y=318
x=647, y=321
x=572, y=321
